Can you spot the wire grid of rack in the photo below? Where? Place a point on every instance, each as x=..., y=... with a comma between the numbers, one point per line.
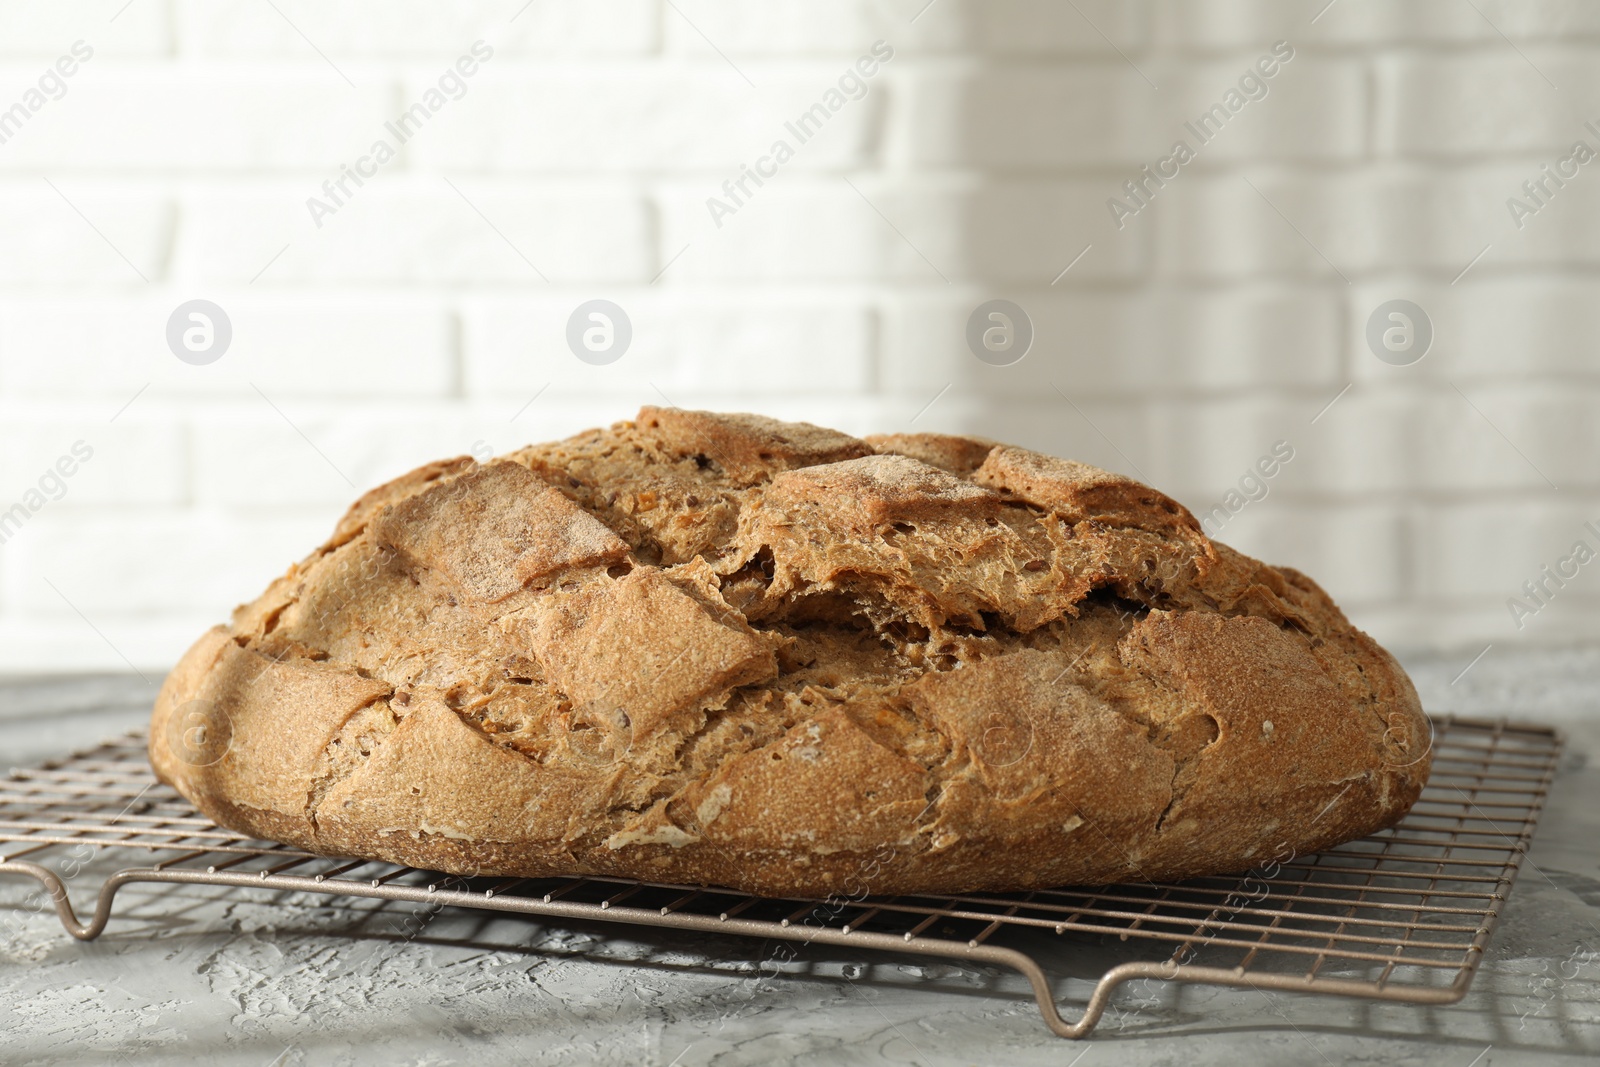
x=1403, y=915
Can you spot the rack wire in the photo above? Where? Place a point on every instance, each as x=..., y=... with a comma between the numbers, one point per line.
x=1403, y=915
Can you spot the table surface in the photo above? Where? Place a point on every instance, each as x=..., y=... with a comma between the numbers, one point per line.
x=195, y=973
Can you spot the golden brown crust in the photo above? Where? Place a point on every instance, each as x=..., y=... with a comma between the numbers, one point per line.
x=1077, y=491
x=748, y=448
x=724, y=649
x=958, y=455
x=493, y=529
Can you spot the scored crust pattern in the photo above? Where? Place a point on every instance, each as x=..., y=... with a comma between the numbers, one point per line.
x=723, y=649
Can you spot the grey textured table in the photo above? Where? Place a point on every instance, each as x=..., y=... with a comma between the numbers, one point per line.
x=198, y=974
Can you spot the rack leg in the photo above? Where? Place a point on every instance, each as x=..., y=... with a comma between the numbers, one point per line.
x=58, y=894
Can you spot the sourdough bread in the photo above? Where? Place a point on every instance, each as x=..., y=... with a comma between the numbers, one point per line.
x=721, y=649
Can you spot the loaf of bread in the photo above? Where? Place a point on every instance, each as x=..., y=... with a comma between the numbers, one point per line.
x=721, y=649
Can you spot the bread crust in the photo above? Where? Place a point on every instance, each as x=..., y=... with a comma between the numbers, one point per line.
x=721, y=649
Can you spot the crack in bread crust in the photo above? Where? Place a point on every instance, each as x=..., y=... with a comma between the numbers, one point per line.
x=718, y=648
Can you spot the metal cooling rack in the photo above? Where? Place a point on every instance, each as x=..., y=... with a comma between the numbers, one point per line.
x=1403, y=915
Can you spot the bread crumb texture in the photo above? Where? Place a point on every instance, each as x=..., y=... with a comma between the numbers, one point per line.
x=722, y=649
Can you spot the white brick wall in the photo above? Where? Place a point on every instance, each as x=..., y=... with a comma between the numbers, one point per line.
x=421, y=318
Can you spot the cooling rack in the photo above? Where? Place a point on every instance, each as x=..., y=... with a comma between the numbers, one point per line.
x=1403, y=915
